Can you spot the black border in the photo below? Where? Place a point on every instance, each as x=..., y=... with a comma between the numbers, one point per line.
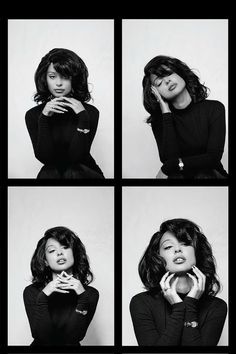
x=117, y=182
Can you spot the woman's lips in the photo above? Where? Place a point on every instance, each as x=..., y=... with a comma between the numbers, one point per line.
x=179, y=260
x=61, y=261
x=59, y=91
x=172, y=87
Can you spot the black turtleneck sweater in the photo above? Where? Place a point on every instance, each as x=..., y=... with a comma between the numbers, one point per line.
x=196, y=134
x=157, y=323
x=56, y=140
x=59, y=319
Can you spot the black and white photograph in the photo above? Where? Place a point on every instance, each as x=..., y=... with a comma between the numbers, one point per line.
x=61, y=266
x=175, y=280
x=175, y=125
x=60, y=102
x=116, y=180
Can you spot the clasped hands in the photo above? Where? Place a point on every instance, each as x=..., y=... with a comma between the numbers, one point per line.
x=63, y=283
x=59, y=104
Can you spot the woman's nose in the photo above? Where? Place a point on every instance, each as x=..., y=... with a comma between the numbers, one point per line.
x=59, y=252
x=178, y=249
x=59, y=82
x=167, y=79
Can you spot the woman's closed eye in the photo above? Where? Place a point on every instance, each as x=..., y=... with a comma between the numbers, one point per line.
x=167, y=247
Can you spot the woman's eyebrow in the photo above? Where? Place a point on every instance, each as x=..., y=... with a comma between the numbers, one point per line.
x=50, y=246
x=165, y=241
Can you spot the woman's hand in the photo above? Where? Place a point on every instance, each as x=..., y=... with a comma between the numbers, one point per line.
x=169, y=291
x=74, y=104
x=199, y=282
x=54, y=106
x=161, y=174
x=163, y=104
x=68, y=282
x=54, y=286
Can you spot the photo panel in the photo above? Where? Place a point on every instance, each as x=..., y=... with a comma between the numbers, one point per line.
x=187, y=48
x=89, y=97
x=152, y=216
x=56, y=214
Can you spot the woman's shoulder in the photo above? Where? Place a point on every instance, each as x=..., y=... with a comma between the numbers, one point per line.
x=146, y=297
x=90, y=108
x=31, y=290
x=34, y=111
x=37, y=108
x=213, y=104
x=91, y=291
x=215, y=302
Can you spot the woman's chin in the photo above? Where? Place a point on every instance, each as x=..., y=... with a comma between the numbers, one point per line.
x=180, y=271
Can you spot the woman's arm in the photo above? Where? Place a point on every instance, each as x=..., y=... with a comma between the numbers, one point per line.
x=36, y=305
x=214, y=150
x=146, y=330
x=207, y=332
x=86, y=127
x=38, y=128
x=82, y=315
x=165, y=136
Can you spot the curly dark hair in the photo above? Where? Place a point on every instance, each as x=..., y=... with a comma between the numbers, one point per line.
x=68, y=64
x=81, y=269
x=162, y=66
x=152, y=265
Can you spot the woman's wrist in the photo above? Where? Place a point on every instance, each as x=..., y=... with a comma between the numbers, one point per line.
x=46, y=291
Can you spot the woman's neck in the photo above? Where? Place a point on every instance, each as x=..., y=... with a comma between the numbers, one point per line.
x=184, y=284
x=182, y=100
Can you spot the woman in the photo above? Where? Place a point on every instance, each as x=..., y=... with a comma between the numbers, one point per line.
x=189, y=130
x=63, y=126
x=59, y=303
x=179, y=307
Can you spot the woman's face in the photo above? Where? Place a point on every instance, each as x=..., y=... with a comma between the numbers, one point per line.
x=179, y=256
x=58, y=257
x=169, y=86
x=58, y=85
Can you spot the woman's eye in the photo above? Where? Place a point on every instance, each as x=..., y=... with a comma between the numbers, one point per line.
x=51, y=77
x=167, y=247
x=51, y=251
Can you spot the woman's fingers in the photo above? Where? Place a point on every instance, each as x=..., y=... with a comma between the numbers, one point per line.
x=167, y=282
x=156, y=93
x=201, y=277
x=61, y=291
x=163, y=279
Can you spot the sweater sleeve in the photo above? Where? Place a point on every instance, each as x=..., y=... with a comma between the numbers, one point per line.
x=214, y=150
x=210, y=331
x=165, y=136
x=36, y=305
x=146, y=330
x=38, y=128
x=81, y=142
x=82, y=315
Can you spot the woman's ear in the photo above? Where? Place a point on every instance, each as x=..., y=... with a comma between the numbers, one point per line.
x=46, y=263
